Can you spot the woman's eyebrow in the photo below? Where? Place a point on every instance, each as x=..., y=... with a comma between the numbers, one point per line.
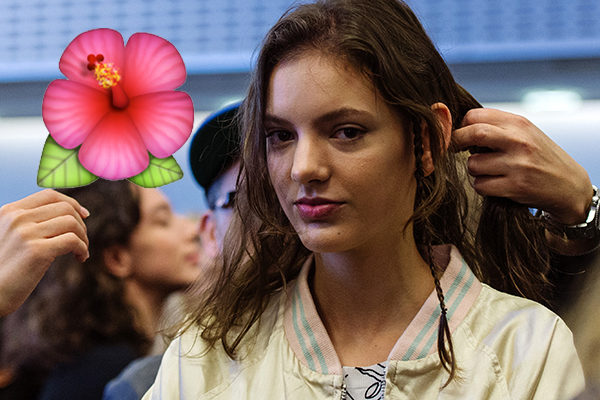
x=160, y=207
x=342, y=113
x=274, y=120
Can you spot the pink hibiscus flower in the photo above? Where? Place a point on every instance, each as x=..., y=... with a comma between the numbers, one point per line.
x=119, y=102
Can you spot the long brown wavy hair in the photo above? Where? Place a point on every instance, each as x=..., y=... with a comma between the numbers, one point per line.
x=77, y=306
x=384, y=40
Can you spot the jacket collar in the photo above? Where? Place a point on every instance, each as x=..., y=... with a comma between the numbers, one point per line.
x=311, y=344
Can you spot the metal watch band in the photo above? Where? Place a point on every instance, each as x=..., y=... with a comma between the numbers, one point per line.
x=587, y=230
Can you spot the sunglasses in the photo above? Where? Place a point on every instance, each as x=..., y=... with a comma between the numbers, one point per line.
x=227, y=201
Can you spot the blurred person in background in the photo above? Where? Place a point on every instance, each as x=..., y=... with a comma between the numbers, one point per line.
x=214, y=160
x=87, y=320
x=215, y=163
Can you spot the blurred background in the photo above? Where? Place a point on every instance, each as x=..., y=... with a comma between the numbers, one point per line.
x=538, y=58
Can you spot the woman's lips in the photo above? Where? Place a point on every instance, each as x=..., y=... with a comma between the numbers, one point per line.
x=193, y=258
x=315, y=209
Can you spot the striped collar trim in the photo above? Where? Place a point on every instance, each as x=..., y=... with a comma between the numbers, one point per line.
x=304, y=329
x=311, y=344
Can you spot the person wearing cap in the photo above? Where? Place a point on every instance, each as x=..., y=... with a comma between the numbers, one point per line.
x=214, y=160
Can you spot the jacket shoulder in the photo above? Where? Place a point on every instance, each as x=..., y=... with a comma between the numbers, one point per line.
x=524, y=346
x=190, y=364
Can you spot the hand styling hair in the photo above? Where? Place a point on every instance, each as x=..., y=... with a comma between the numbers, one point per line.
x=78, y=305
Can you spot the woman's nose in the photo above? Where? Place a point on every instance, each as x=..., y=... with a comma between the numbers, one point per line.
x=189, y=228
x=310, y=161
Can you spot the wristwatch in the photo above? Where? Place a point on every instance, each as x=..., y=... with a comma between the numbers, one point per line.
x=587, y=230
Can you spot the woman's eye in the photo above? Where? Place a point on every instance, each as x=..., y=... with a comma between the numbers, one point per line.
x=162, y=220
x=348, y=133
x=280, y=136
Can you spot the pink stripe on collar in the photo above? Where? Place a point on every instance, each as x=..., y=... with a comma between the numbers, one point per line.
x=461, y=288
x=304, y=329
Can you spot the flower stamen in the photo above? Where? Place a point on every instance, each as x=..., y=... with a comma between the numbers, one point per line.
x=106, y=74
x=108, y=77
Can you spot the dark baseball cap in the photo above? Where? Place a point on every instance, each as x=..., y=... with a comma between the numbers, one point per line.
x=215, y=145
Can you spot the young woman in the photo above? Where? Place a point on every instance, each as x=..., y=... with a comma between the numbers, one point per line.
x=352, y=270
x=87, y=320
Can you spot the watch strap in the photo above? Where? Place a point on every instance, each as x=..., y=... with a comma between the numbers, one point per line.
x=586, y=230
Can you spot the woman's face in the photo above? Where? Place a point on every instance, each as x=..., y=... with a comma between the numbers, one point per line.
x=164, y=247
x=338, y=157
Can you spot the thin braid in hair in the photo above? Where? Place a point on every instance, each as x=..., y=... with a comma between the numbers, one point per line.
x=447, y=358
x=444, y=329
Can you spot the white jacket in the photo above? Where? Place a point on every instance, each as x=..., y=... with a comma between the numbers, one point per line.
x=506, y=348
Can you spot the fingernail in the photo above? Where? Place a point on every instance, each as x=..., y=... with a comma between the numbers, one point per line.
x=85, y=212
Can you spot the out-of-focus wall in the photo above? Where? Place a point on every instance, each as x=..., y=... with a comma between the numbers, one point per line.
x=219, y=36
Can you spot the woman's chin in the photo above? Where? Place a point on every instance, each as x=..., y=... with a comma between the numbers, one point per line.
x=325, y=242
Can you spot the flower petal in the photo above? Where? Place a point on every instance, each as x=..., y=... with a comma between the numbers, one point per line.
x=164, y=120
x=114, y=149
x=107, y=42
x=71, y=110
x=152, y=64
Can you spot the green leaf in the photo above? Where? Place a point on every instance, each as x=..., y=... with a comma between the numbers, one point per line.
x=161, y=171
x=60, y=167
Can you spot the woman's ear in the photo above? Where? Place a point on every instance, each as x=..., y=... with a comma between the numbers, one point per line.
x=207, y=230
x=445, y=121
x=118, y=261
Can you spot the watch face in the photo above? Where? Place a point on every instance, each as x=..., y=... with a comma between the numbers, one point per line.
x=594, y=217
x=595, y=223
